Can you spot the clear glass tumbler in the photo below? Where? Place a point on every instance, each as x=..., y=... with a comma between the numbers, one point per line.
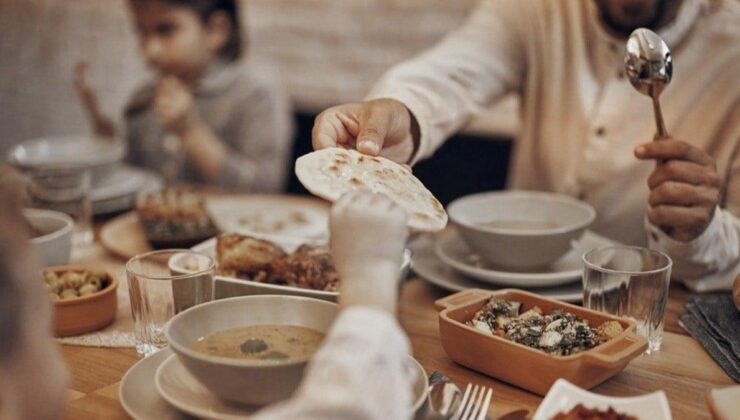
x=162, y=284
x=66, y=190
x=631, y=282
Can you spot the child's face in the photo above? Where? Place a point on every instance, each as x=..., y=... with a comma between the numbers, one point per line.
x=174, y=40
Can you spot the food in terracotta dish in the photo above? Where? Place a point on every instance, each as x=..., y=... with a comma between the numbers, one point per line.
x=174, y=218
x=580, y=412
x=74, y=283
x=249, y=258
x=559, y=333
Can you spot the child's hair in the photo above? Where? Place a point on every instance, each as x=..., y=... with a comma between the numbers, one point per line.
x=205, y=8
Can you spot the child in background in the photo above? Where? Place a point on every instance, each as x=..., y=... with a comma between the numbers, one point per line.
x=207, y=118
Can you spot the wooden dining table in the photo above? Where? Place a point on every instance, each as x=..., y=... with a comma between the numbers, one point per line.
x=682, y=368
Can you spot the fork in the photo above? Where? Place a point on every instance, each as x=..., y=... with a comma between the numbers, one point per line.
x=475, y=402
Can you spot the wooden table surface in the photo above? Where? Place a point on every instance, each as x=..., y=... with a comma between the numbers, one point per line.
x=682, y=368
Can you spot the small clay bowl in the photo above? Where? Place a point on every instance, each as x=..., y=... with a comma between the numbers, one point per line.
x=87, y=313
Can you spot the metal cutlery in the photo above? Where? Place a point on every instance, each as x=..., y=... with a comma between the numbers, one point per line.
x=475, y=403
x=649, y=67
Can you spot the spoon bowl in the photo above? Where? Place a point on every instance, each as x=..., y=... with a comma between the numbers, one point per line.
x=444, y=396
x=649, y=67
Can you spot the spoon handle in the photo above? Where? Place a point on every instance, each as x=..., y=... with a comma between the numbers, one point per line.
x=662, y=132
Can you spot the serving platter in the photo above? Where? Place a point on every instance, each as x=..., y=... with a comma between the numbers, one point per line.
x=124, y=237
x=225, y=287
x=466, y=344
x=270, y=217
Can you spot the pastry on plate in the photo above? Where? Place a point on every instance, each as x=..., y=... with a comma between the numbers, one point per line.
x=174, y=218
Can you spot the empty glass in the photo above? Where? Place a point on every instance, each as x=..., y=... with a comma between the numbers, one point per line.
x=631, y=282
x=66, y=190
x=161, y=284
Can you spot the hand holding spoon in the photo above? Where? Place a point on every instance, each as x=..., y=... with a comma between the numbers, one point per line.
x=649, y=67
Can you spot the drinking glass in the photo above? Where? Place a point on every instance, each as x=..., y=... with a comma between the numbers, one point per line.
x=631, y=282
x=162, y=284
x=66, y=190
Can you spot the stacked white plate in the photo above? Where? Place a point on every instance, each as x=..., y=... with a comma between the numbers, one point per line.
x=160, y=387
x=446, y=260
x=116, y=189
x=114, y=185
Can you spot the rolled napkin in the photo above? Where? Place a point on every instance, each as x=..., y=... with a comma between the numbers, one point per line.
x=714, y=321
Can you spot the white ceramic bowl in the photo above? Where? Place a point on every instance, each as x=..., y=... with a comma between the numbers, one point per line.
x=70, y=151
x=246, y=381
x=533, y=229
x=55, y=243
x=563, y=396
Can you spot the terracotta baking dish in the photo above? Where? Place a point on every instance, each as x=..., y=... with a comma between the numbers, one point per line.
x=520, y=365
x=87, y=313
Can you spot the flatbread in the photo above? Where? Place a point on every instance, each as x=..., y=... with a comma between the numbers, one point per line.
x=332, y=172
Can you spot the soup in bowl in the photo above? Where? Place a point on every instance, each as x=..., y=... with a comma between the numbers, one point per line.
x=250, y=349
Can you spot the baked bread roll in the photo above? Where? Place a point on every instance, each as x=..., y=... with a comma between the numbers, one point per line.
x=244, y=253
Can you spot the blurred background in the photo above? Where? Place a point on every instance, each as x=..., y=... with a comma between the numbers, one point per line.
x=324, y=52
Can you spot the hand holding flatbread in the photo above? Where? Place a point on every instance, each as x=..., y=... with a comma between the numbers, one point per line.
x=330, y=173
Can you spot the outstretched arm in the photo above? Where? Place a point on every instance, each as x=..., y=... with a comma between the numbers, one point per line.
x=420, y=102
x=102, y=124
x=362, y=370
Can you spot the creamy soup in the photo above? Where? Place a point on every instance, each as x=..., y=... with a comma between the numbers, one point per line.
x=522, y=224
x=262, y=342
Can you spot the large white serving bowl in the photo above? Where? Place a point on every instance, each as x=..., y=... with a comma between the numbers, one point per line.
x=517, y=247
x=55, y=243
x=246, y=381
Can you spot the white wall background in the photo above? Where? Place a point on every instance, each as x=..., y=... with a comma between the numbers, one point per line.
x=325, y=51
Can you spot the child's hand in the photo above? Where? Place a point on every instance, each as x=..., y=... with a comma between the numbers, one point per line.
x=175, y=105
x=368, y=236
x=684, y=188
x=102, y=125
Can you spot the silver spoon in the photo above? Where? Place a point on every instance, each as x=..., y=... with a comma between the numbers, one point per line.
x=649, y=67
x=444, y=396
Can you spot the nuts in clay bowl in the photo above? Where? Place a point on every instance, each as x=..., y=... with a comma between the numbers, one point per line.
x=84, y=298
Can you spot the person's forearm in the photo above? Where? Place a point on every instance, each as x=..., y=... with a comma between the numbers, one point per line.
x=713, y=257
x=103, y=127
x=368, y=288
x=205, y=149
x=470, y=68
x=363, y=361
